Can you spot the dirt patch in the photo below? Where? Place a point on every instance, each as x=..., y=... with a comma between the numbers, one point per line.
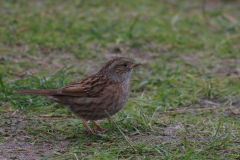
x=192, y=59
x=173, y=135
x=17, y=143
x=19, y=148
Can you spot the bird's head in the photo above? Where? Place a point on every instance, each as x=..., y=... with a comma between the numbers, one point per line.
x=119, y=69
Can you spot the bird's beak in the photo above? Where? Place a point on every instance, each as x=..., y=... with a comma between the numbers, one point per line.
x=135, y=64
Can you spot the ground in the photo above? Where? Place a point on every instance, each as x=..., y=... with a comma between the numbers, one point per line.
x=184, y=100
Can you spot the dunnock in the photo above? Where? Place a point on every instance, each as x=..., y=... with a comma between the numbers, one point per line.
x=90, y=98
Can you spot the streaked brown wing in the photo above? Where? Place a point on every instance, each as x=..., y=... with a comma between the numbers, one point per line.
x=88, y=87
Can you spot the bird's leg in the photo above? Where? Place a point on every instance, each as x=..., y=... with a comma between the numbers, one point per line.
x=99, y=128
x=85, y=122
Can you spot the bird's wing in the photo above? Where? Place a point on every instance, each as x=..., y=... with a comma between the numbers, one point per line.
x=91, y=86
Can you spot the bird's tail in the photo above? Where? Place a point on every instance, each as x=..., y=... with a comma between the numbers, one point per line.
x=43, y=92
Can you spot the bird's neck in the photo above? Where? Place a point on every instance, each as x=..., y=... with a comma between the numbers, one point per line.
x=116, y=77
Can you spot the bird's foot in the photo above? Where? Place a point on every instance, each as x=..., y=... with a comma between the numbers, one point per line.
x=100, y=128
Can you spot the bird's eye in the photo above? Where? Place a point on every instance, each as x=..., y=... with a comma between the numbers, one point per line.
x=124, y=64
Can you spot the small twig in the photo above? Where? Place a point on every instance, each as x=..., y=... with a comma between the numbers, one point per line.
x=232, y=110
x=121, y=131
x=75, y=156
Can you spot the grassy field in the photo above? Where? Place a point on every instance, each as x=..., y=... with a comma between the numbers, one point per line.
x=185, y=98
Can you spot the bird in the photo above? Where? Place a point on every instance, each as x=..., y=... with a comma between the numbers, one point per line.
x=96, y=96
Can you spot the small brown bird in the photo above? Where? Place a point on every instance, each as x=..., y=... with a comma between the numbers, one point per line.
x=90, y=98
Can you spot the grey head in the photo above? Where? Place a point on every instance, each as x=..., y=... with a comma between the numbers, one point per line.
x=119, y=69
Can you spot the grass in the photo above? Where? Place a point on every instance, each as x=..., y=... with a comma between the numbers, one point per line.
x=184, y=100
